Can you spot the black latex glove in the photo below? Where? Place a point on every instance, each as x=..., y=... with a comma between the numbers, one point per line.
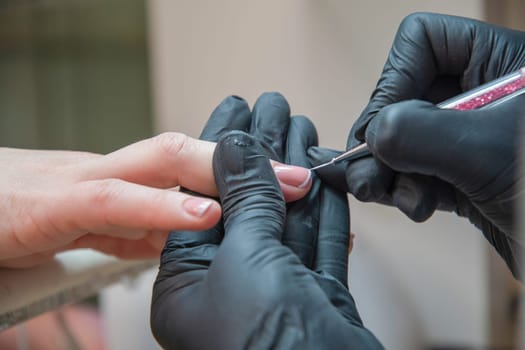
x=426, y=158
x=251, y=291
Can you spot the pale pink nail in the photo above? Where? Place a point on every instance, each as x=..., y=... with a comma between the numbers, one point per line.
x=293, y=175
x=197, y=206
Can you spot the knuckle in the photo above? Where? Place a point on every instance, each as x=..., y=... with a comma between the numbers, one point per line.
x=170, y=144
x=103, y=192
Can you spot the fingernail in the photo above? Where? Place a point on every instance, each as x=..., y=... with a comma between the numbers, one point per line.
x=197, y=206
x=293, y=175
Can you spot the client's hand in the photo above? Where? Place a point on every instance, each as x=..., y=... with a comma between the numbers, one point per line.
x=122, y=203
x=119, y=203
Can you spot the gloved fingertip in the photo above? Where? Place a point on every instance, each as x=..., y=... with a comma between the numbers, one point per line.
x=234, y=99
x=275, y=99
x=240, y=164
x=233, y=113
x=415, y=211
x=231, y=148
x=412, y=197
x=368, y=179
x=231, y=103
x=360, y=189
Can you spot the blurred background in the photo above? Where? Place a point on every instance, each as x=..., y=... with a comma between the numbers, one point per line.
x=96, y=75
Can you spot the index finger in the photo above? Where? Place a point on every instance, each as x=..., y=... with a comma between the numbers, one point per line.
x=163, y=161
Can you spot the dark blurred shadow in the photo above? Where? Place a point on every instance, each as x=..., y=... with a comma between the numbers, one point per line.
x=73, y=74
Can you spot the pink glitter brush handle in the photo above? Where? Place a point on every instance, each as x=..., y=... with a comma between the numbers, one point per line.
x=490, y=94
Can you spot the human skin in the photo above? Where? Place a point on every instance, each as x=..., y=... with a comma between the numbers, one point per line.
x=123, y=203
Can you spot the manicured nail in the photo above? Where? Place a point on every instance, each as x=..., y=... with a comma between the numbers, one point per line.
x=197, y=206
x=293, y=175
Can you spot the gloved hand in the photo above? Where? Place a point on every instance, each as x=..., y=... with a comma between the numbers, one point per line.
x=426, y=158
x=238, y=287
x=251, y=283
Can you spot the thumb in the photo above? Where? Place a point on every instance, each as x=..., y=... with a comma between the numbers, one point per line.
x=459, y=147
x=413, y=137
x=253, y=205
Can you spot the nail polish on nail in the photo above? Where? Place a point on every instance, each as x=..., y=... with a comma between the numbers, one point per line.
x=197, y=206
x=293, y=175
